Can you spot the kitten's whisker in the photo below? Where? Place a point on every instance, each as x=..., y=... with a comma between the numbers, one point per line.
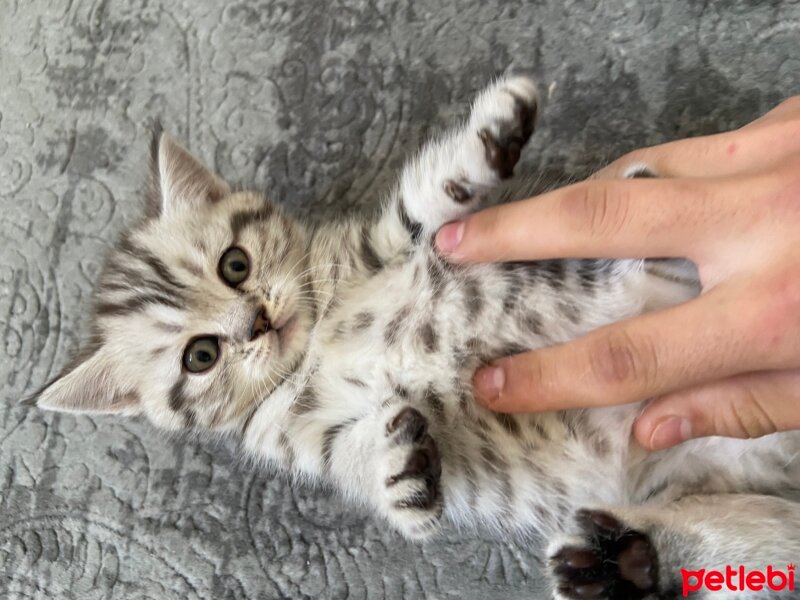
x=318, y=266
x=309, y=282
x=312, y=292
x=289, y=271
x=313, y=268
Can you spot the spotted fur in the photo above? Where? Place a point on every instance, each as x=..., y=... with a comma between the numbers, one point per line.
x=363, y=378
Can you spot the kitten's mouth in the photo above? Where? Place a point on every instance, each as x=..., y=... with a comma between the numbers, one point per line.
x=285, y=331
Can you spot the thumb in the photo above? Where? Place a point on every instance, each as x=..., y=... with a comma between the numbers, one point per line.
x=744, y=406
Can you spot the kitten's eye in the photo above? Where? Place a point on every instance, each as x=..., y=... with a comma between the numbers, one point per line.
x=234, y=266
x=201, y=354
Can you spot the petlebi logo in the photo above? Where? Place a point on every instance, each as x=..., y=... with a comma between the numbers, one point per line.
x=738, y=579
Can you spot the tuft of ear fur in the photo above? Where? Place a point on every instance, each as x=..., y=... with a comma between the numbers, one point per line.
x=153, y=191
x=177, y=178
x=88, y=386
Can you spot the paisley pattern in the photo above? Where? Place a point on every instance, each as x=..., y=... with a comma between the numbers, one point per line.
x=318, y=106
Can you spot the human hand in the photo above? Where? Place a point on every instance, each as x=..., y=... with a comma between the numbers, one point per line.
x=725, y=363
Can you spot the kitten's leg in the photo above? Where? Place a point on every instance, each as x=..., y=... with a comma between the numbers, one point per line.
x=450, y=175
x=408, y=472
x=447, y=179
x=638, y=552
x=388, y=460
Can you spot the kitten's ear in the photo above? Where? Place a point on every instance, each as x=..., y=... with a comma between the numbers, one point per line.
x=88, y=386
x=177, y=178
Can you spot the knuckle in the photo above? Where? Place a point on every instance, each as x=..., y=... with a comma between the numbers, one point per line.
x=777, y=313
x=490, y=224
x=619, y=359
x=599, y=209
x=533, y=374
x=535, y=378
x=484, y=231
x=498, y=241
x=745, y=417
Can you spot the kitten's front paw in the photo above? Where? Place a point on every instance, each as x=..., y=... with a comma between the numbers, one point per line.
x=410, y=474
x=504, y=116
x=608, y=562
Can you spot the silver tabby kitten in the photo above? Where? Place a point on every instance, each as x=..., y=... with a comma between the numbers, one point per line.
x=344, y=352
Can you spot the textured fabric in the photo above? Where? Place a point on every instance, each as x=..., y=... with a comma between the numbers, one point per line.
x=317, y=103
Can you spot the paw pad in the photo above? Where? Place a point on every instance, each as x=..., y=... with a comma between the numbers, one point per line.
x=414, y=469
x=457, y=192
x=407, y=426
x=503, y=149
x=617, y=563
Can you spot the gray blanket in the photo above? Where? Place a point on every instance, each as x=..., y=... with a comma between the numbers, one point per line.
x=318, y=103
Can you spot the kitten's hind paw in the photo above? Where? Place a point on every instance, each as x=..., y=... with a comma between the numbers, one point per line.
x=410, y=473
x=504, y=117
x=609, y=561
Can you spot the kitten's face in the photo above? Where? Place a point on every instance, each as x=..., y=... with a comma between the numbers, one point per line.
x=201, y=310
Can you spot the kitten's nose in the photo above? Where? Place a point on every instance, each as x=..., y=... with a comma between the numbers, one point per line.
x=261, y=324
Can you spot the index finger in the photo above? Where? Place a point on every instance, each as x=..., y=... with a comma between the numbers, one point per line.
x=603, y=219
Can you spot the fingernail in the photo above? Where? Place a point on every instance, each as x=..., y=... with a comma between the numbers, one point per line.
x=449, y=237
x=670, y=431
x=489, y=382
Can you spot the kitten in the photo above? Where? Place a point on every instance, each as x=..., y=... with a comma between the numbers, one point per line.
x=343, y=352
